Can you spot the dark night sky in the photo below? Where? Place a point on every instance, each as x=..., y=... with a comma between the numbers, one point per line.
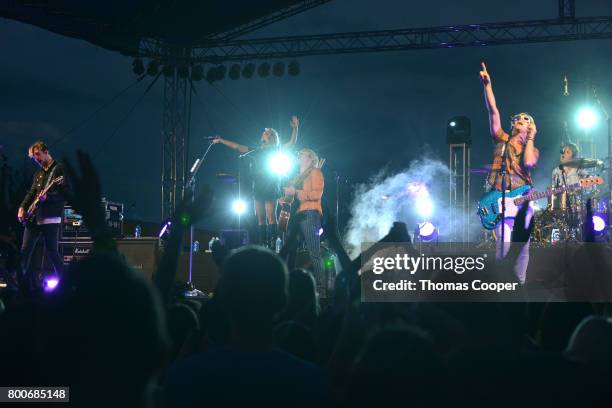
x=361, y=112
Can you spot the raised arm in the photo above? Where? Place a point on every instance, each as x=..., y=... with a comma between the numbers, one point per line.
x=494, y=120
x=531, y=154
x=295, y=124
x=231, y=145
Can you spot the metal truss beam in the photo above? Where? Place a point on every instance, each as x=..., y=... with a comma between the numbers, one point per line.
x=267, y=20
x=567, y=9
x=174, y=141
x=585, y=28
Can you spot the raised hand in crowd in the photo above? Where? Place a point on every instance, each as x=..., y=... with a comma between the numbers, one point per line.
x=187, y=213
x=84, y=194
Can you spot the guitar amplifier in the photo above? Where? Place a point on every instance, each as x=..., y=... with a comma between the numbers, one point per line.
x=73, y=227
x=234, y=238
x=74, y=251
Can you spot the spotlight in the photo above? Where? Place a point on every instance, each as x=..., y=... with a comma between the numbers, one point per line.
x=278, y=69
x=263, y=70
x=50, y=283
x=248, y=70
x=426, y=231
x=197, y=72
x=138, y=66
x=234, y=72
x=599, y=223
x=280, y=163
x=459, y=130
x=320, y=231
x=586, y=118
x=294, y=68
x=424, y=207
x=153, y=68
x=239, y=206
x=165, y=230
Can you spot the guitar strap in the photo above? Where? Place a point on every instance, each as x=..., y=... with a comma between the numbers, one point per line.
x=50, y=177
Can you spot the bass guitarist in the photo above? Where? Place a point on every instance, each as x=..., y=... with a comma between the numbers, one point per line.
x=47, y=217
x=307, y=187
x=521, y=156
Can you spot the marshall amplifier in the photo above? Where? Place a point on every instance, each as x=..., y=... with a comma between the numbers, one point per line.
x=73, y=227
x=74, y=251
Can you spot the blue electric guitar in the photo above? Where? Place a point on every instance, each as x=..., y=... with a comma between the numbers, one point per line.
x=490, y=204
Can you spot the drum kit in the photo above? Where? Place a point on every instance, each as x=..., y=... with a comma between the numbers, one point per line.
x=562, y=219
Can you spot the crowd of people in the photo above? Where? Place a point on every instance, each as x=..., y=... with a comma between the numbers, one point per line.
x=117, y=339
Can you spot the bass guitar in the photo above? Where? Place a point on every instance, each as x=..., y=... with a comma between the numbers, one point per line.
x=490, y=204
x=33, y=208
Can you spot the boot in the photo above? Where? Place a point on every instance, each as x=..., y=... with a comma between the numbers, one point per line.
x=262, y=235
x=272, y=231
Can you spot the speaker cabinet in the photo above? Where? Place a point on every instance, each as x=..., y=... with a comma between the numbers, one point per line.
x=141, y=254
x=204, y=271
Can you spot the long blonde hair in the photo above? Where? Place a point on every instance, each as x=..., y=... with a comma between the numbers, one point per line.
x=275, y=136
x=313, y=156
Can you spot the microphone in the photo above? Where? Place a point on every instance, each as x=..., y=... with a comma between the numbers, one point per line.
x=211, y=138
x=565, y=87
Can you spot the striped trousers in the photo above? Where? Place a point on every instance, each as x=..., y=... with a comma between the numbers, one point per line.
x=305, y=226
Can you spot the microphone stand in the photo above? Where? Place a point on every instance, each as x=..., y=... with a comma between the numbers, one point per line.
x=568, y=200
x=191, y=184
x=502, y=172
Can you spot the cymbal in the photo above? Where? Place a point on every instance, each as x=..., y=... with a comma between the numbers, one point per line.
x=583, y=163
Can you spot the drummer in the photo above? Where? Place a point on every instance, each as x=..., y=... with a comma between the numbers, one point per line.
x=566, y=173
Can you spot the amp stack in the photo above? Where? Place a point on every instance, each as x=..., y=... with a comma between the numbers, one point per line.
x=75, y=240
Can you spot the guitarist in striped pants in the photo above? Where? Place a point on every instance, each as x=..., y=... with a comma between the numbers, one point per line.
x=306, y=223
x=46, y=221
x=521, y=156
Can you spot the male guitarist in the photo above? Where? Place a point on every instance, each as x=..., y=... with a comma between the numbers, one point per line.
x=47, y=217
x=521, y=156
x=307, y=186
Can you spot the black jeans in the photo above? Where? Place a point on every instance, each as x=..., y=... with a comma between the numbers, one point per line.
x=32, y=233
x=305, y=225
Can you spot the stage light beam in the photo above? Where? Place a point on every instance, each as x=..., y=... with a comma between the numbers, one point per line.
x=50, y=283
x=586, y=118
x=280, y=163
x=427, y=231
x=599, y=224
x=424, y=207
x=239, y=206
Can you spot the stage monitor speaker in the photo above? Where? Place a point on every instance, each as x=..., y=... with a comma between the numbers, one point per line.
x=140, y=253
x=204, y=271
x=234, y=238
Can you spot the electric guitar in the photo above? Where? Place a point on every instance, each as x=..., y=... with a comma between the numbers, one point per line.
x=490, y=204
x=33, y=208
x=289, y=203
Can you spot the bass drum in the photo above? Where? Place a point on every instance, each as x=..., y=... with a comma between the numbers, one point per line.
x=544, y=223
